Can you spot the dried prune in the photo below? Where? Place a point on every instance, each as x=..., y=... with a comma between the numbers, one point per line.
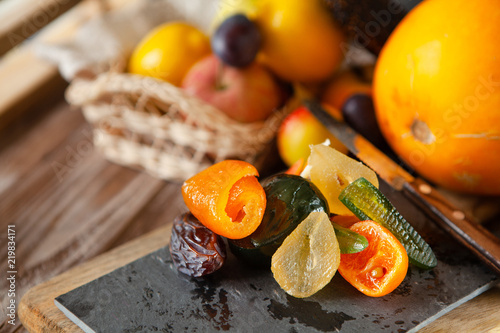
x=195, y=249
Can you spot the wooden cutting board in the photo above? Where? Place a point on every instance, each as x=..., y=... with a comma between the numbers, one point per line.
x=39, y=313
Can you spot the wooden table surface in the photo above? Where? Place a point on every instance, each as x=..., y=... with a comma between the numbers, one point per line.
x=68, y=205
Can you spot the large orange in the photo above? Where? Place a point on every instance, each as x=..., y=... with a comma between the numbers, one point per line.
x=437, y=93
x=301, y=41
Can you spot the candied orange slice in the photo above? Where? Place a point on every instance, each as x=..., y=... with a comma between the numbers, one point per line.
x=227, y=198
x=380, y=268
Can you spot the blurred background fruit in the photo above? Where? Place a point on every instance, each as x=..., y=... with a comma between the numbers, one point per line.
x=343, y=85
x=246, y=94
x=437, y=93
x=349, y=94
x=169, y=51
x=369, y=23
x=236, y=41
x=301, y=41
x=359, y=113
x=298, y=131
x=232, y=7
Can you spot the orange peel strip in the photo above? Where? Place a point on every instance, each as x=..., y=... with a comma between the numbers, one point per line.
x=227, y=198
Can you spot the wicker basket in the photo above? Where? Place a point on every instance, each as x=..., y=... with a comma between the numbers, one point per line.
x=145, y=123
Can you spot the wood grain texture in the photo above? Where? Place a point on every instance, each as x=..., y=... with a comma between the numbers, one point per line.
x=20, y=19
x=481, y=314
x=67, y=202
x=25, y=79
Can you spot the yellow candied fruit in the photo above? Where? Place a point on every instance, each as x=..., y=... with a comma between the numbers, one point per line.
x=331, y=171
x=308, y=258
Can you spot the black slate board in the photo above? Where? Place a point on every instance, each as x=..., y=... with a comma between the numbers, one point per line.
x=149, y=295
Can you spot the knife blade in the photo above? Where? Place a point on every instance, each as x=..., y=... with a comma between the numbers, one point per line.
x=462, y=227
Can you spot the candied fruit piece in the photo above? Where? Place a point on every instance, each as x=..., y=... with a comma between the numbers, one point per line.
x=308, y=258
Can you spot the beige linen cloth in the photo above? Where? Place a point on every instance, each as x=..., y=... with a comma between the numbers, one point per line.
x=111, y=36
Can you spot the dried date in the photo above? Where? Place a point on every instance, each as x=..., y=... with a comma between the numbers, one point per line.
x=195, y=249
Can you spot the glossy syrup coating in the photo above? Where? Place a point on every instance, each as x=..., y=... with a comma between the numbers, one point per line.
x=308, y=258
x=195, y=249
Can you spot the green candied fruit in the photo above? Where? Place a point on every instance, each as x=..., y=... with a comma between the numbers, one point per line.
x=349, y=241
x=290, y=199
x=368, y=203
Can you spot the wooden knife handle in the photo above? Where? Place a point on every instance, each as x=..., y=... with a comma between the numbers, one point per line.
x=471, y=234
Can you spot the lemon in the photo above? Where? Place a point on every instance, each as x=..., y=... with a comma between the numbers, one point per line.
x=169, y=51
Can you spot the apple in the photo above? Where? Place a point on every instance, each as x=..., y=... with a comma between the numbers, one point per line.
x=298, y=131
x=247, y=94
